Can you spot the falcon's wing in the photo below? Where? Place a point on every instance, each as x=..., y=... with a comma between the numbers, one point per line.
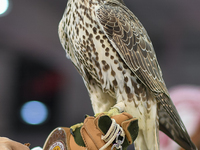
x=131, y=41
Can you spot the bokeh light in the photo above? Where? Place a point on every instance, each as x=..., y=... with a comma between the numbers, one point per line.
x=34, y=112
x=4, y=5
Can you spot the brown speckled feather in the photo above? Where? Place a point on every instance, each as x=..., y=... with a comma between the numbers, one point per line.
x=129, y=37
x=131, y=41
x=113, y=53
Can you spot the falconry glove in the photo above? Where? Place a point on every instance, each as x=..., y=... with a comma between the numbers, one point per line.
x=96, y=133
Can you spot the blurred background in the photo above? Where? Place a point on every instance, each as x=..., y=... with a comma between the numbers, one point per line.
x=39, y=87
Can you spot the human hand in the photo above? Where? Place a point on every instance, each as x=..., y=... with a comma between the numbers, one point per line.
x=8, y=144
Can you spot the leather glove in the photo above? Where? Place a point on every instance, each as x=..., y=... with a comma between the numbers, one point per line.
x=96, y=133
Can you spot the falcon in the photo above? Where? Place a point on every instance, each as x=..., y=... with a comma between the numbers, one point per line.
x=115, y=57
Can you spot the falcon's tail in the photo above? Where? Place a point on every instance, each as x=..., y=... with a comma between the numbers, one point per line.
x=171, y=124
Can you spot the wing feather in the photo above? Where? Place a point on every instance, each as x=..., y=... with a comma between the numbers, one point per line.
x=130, y=39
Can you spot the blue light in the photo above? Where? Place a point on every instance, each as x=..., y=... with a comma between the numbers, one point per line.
x=4, y=6
x=34, y=112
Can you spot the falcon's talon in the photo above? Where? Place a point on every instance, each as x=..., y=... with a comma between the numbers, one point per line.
x=105, y=113
x=74, y=127
x=71, y=131
x=112, y=112
x=86, y=116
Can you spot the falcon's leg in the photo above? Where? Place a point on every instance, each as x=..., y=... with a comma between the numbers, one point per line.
x=148, y=125
x=151, y=134
x=101, y=101
x=119, y=107
x=115, y=110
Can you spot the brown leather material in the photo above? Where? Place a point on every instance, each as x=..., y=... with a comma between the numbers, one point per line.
x=88, y=140
x=68, y=134
x=124, y=120
x=71, y=144
x=121, y=117
x=91, y=134
x=125, y=125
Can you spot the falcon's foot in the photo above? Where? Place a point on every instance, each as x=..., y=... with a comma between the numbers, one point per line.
x=74, y=127
x=110, y=113
x=115, y=110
